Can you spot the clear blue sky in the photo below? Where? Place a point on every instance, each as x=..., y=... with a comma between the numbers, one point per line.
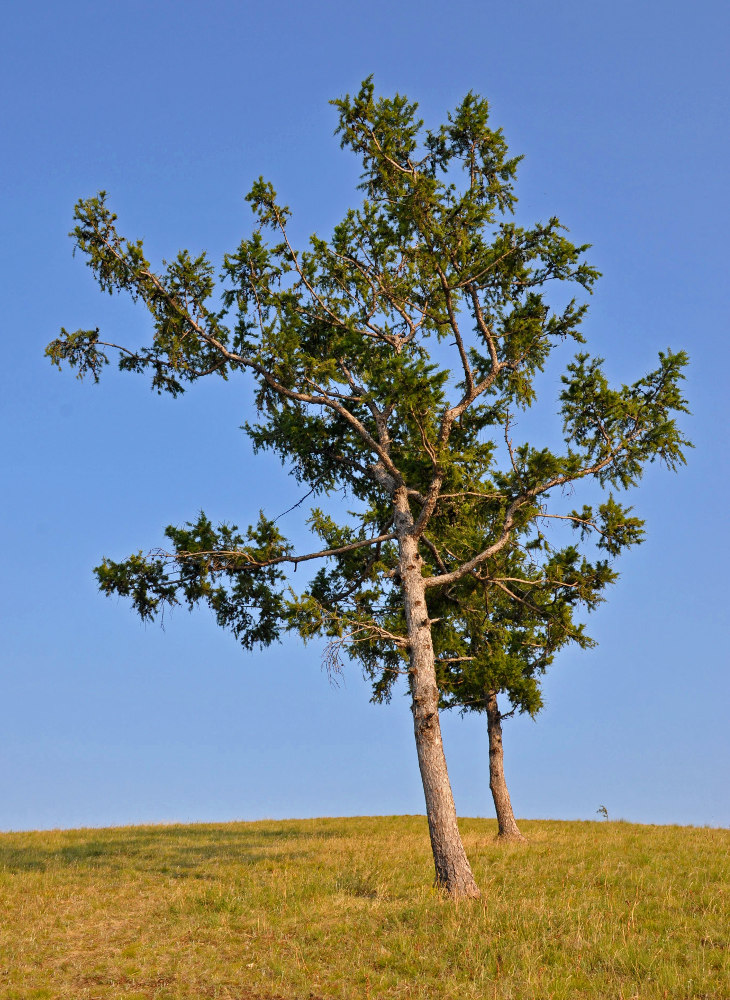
x=621, y=110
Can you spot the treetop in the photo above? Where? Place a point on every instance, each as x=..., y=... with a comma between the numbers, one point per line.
x=387, y=363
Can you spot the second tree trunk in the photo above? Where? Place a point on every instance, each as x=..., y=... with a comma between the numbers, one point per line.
x=506, y=822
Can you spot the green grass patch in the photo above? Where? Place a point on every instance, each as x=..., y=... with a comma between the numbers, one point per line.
x=344, y=908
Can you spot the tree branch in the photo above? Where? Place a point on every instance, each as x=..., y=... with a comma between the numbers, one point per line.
x=238, y=554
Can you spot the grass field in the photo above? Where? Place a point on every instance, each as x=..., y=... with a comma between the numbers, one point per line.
x=343, y=908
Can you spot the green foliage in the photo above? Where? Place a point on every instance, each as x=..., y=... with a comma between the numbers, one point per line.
x=388, y=361
x=235, y=575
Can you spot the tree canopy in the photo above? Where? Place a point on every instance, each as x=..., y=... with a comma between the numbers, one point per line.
x=387, y=363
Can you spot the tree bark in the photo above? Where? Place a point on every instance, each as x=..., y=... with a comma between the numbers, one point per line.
x=506, y=822
x=453, y=872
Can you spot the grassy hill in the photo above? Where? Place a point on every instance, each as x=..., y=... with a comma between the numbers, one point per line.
x=343, y=908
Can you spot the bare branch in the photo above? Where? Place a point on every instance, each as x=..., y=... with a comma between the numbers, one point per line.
x=468, y=375
x=294, y=505
x=576, y=520
x=249, y=561
x=488, y=336
x=475, y=278
x=508, y=442
x=435, y=553
x=472, y=493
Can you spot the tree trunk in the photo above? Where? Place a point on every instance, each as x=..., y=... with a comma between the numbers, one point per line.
x=453, y=872
x=506, y=822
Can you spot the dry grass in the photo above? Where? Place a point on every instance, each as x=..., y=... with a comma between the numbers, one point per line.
x=342, y=908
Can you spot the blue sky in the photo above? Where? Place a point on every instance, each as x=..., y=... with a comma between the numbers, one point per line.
x=621, y=111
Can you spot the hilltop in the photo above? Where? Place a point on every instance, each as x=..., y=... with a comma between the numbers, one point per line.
x=342, y=908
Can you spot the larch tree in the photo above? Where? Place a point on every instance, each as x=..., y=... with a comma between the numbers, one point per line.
x=385, y=363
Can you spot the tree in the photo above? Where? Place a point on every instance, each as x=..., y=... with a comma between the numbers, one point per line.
x=518, y=617
x=386, y=362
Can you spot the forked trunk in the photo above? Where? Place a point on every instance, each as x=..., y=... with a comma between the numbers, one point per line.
x=506, y=822
x=453, y=872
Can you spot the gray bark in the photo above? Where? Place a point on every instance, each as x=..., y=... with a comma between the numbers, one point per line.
x=453, y=872
x=506, y=822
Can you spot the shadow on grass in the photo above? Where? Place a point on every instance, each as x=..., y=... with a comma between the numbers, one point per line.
x=179, y=852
